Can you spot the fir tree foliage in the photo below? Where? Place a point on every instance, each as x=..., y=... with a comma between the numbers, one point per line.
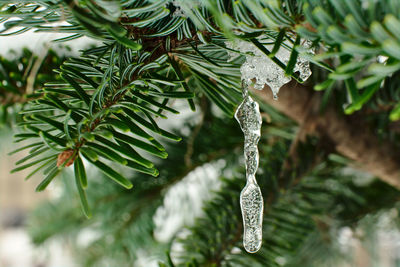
x=103, y=109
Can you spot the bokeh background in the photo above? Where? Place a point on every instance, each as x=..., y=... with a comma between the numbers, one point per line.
x=17, y=196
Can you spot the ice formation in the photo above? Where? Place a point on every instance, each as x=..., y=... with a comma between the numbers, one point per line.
x=251, y=201
x=259, y=68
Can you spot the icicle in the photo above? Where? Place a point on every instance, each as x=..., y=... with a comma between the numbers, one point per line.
x=259, y=70
x=251, y=201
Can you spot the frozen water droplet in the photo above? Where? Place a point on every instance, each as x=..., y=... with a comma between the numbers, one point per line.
x=251, y=201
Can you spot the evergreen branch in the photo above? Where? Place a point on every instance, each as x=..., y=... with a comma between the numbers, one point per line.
x=100, y=85
x=172, y=169
x=364, y=41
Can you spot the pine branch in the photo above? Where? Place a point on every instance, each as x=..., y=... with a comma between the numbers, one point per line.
x=113, y=203
x=151, y=55
x=108, y=84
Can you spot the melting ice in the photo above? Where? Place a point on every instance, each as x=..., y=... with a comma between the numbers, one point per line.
x=260, y=67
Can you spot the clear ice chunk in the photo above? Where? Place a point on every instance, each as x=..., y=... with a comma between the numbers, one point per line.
x=251, y=201
x=259, y=68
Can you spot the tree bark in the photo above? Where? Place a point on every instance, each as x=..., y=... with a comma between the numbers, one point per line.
x=350, y=136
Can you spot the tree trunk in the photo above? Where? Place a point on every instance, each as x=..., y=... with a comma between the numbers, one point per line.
x=352, y=138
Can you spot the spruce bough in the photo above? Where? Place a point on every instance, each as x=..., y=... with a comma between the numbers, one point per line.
x=103, y=107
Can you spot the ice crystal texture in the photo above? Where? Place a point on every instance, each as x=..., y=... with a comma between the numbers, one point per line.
x=259, y=68
x=251, y=201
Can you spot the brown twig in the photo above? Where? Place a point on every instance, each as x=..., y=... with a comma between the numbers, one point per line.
x=349, y=135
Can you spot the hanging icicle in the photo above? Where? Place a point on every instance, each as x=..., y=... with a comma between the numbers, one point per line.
x=259, y=70
x=251, y=201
